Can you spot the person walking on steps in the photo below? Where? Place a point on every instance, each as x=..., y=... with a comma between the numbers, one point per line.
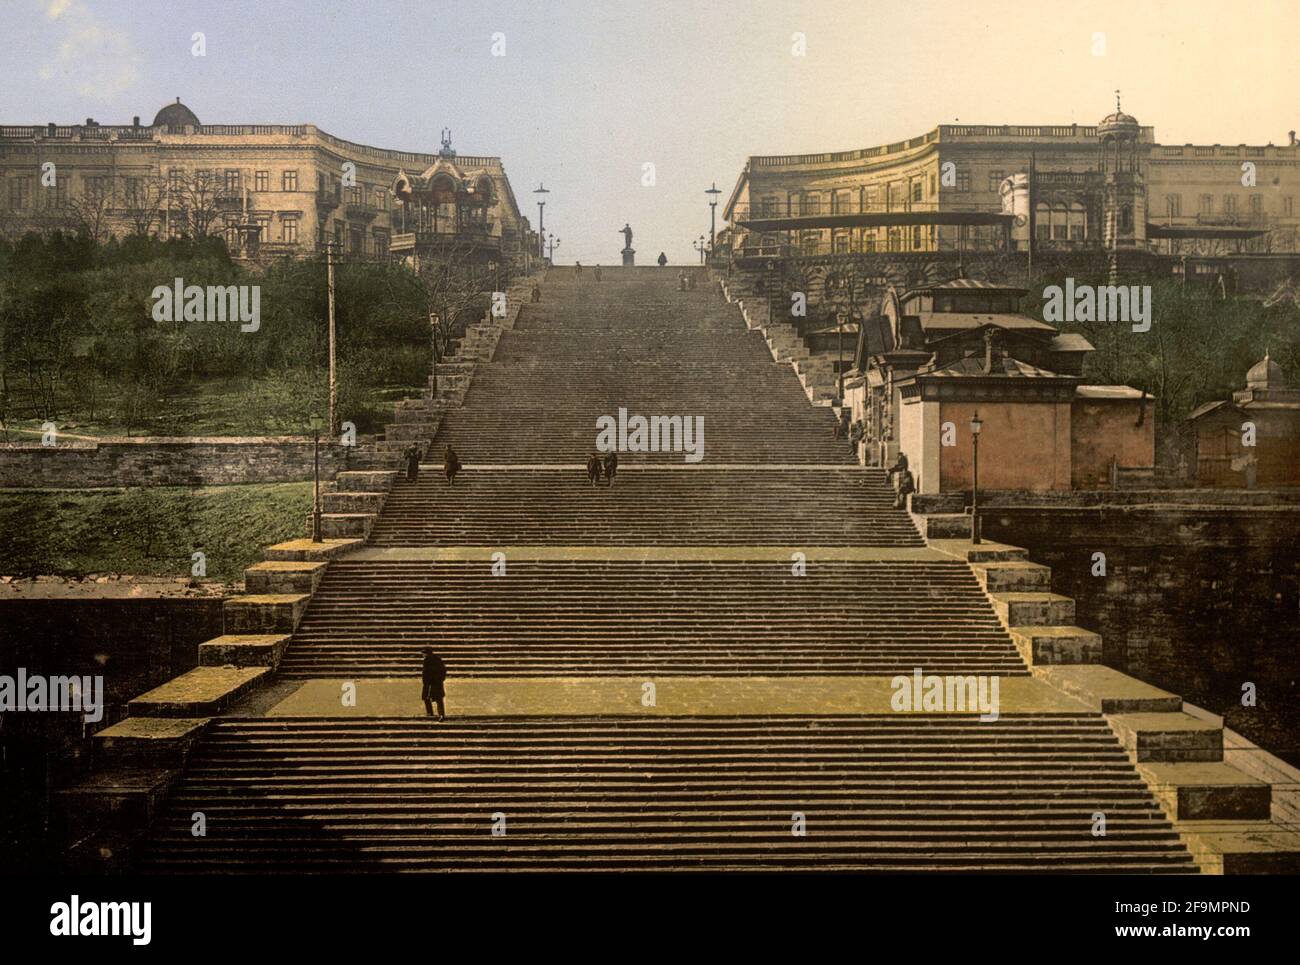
x=450, y=465
x=593, y=468
x=663, y=259
x=598, y=273
x=412, y=455
x=434, y=674
x=610, y=466
x=537, y=293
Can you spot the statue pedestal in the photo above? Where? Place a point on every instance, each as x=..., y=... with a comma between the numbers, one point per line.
x=629, y=257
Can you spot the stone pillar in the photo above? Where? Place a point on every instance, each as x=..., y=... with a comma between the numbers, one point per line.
x=629, y=257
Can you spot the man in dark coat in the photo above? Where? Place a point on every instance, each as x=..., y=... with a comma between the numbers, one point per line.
x=434, y=673
x=593, y=468
x=537, y=293
x=663, y=259
x=610, y=467
x=413, y=455
x=450, y=465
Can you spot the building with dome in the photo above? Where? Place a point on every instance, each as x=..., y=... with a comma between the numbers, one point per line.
x=1062, y=187
x=272, y=189
x=1253, y=439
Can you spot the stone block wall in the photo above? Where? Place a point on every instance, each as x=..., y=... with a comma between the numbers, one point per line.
x=1199, y=600
x=198, y=461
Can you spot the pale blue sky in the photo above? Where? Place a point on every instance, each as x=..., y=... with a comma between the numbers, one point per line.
x=589, y=91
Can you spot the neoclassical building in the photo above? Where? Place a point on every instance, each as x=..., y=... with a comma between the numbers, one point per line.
x=271, y=188
x=987, y=187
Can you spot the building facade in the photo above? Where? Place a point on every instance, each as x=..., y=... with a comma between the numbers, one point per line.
x=268, y=188
x=984, y=187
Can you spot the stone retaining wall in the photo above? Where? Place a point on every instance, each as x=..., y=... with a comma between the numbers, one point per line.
x=165, y=461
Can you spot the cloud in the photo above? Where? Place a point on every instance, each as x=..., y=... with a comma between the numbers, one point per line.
x=95, y=59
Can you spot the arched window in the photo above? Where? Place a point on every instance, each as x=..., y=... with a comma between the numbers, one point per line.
x=1126, y=218
x=1060, y=217
x=1042, y=221
x=1078, y=222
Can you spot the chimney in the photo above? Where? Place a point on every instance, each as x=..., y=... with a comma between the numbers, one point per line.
x=135, y=121
x=1291, y=135
x=49, y=128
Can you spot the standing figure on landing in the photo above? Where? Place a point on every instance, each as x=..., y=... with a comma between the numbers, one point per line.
x=434, y=674
x=610, y=467
x=412, y=455
x=450, y=465
x=593, y=468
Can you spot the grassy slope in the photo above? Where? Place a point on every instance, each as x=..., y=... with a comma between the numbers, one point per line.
x=147, y=531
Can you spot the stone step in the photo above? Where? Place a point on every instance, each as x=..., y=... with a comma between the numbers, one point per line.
x=283, y=577
x=202, y=692
x=1243, y=847
x=352, y=502
x=304, y=550
x=1108, y=690
x=1207, y=791
x=1033, y=609
x=344, y=525
x=244, y=650
x=1168, y=738
x=149, y=742
x=264, y=612
x=364, y=481
x=1040, y=645
x=1013, y=576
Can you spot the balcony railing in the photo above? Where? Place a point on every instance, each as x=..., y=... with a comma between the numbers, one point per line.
x=792, y=208
x=361, y=210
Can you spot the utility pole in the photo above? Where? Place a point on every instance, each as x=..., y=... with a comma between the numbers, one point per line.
x=329, y=281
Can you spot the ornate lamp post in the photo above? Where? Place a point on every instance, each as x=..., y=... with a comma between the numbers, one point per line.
x=713, y=193
x=541, y=220
x=555, y=243
x=700, y=247
x=976, y=424
x=315, y=502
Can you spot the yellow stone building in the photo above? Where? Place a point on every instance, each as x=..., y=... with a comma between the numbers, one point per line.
x=270, y=188
x=1108, y=186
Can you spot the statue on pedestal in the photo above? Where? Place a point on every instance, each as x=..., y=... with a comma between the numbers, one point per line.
x=629, y=255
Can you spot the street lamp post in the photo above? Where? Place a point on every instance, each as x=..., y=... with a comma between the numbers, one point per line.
x=315, y=457
x=700, y=247
x=976, y=424
x=554, y=243
x=713, y=193
x=329, y=286
x=839, y=369
x=541, y=220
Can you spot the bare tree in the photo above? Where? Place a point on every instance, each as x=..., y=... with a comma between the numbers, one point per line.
x=198, y=200
x=90, y=212
x=144, y=199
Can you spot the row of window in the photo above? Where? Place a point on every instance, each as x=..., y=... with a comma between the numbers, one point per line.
x=1205, y=205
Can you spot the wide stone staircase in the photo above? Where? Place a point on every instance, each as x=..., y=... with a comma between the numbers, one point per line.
x=560, y=618
x=664, y=506
x=869, y=794
x=775, y=571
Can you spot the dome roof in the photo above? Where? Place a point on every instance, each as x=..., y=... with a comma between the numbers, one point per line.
x=175, y=116
x=1265, y=374
x=1118, y=122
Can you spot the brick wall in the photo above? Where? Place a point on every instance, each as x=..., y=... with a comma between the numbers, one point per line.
x=165, y=462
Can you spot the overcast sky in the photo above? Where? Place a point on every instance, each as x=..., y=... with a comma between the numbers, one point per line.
x=587, y=93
